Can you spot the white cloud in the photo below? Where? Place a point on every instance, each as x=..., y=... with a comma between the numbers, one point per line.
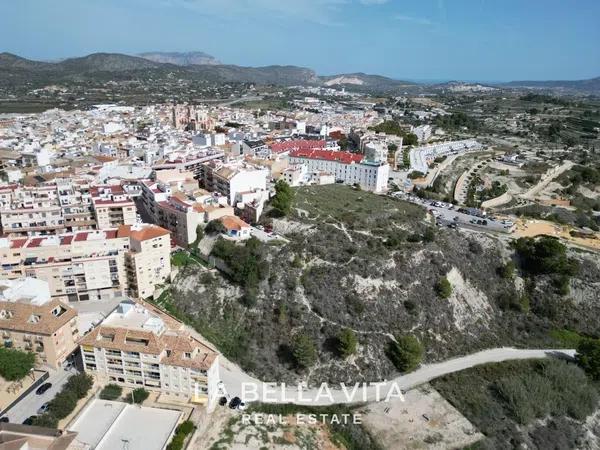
x=411, y=19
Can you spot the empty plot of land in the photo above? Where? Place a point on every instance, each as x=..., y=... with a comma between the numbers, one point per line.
x=424, y=420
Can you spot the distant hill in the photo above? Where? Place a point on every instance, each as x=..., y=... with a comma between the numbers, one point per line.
x=10, y=61
x=181, y=59
x=106, y=62
x=591, y=86
x=18, y=71
x=104, y=66
x=363, y=80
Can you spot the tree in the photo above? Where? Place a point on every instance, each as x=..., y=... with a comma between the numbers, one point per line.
x=304, y=350
x=507, y=271
x=347, y=342
x=45, y=420
x=588, y=357
x=139, y=395
x=405, y=353
x=416, y=174
x=284, y=196
x=111, y=392
x=215, y=227
x=410, y=139
x=79, y=384
x=15, y=364
x=392, y=149
x=63, y=404
x=443, y=288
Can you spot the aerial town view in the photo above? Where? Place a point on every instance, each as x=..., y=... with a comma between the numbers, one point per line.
x=352, y=228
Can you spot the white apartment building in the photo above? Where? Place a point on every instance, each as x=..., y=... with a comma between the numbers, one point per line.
x=421, y=157
x=349, y=168
x=231, y=179
x=62, y=206
x=91, y=265
x=112, y=207
x=138, y=345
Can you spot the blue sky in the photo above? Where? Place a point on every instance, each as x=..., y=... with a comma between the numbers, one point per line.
x=489, y=40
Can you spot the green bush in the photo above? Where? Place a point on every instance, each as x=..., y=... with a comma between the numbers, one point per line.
x=111, y=392
x=181, y=432
x=247, y=264
x=588, y=357
x=215, y=227
x=15, y=364
x=507, y=271
x=139, y=395
x=63, y=404
x=79, y=384
x=347, y=342
x=405, y=353
x=304, y=350
x=443, y=288
x=45, y=420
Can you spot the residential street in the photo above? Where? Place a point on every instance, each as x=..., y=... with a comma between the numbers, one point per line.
x=233, y=377
x=30, y=404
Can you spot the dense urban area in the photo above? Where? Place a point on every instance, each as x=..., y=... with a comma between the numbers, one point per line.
x=173, y=231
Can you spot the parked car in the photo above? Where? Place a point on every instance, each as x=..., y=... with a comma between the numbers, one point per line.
x=43, y=388
x=43, y=408
x=29, y=420
x=241, y=406
x=223, y=401
x=235, y=402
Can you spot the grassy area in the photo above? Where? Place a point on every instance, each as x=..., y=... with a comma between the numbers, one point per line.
x=353, y=207
x=505, y=400
x=183, y=258
x=566, y=338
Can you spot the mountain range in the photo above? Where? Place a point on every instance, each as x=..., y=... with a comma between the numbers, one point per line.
x=15, y=70
x=181, y=59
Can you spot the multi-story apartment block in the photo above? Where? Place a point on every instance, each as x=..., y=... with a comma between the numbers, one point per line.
x=26, y=210
x=192, y=162
x=139, y=345
x=112, y=207
x=349, y=168
x=31, y=321
x=231, y=179
x=61, y=206
x=92, y=265
x=177, y=212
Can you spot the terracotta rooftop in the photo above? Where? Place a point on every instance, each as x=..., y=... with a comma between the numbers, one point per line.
x=37, y=319
x=233, y=223
x=328, y=155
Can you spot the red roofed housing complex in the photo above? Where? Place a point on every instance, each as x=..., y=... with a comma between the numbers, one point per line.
x=348, y=168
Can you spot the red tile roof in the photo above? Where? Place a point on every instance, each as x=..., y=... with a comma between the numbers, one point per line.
x=328, y=155
x=301, y=144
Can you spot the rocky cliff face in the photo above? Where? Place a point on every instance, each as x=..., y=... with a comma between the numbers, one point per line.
x=370, y=263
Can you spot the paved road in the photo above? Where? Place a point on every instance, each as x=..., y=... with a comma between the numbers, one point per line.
x=30, y=404
x=445, y=215
x=233, y=377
